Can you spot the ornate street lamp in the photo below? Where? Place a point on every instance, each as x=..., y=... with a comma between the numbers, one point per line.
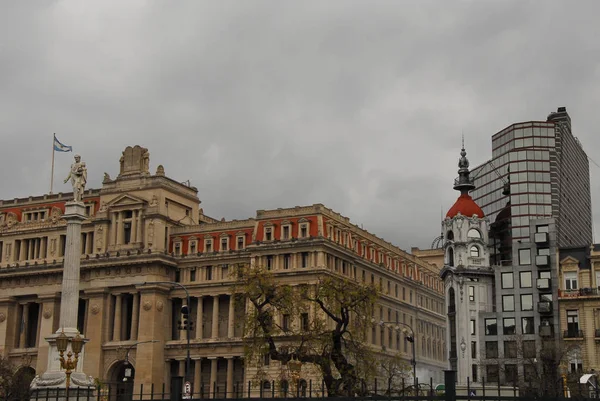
x=70, y=363
x=409, y=333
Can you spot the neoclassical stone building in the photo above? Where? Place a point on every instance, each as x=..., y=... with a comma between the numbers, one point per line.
x=145, y=228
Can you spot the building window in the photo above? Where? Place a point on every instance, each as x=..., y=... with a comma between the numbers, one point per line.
x=269, y=262
x=570, y=280
x=193, y=247
x=510, y=372
x=240, y=242
x=509, y=325
x=304, y=257
x=285, y=232
x=474, y=372
x=572, y=323
x=492, y=373
x=474, y=349
x=491, y=349
x=529, y=349
x=524, y=257
x=208, y=273
x=285, y=322
x=474, y=251
x=473, y=233
x=491, y=327
x=510, y=349
x=193, y=274
x=224, y=244
x=529, y=373
x=527, y=302
x=525, y=279
x=473, y=326
x=303, y=230
x=268, y=234
x=177, y=248
x=527, y=325
x=304, y=321
x=508, y=303
x=471, y=293
x=507, y=280
x=208, y=245
x=287, y=261
x=224, y=271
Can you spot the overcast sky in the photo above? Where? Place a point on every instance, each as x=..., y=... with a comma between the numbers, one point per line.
x=266, y=104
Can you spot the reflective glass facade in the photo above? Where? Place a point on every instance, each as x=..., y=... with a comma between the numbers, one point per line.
x=526, y=149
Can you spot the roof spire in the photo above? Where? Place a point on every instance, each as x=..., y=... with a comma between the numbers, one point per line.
x=464, y=183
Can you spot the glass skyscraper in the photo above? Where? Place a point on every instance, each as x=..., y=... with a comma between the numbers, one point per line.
x=538, y=170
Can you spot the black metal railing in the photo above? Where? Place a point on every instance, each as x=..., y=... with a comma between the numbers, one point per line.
x=573, y=334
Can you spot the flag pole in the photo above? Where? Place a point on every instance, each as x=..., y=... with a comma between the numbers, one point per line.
x=52, y=173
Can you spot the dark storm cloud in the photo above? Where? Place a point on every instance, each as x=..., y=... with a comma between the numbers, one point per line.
x=266, y=104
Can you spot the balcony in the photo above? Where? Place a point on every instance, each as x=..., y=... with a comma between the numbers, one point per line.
x=546, y=331
x=544, y=283
x=542, y=260
x=582, y=292
x=573, y=334
x=540, y=238
x=545, y=307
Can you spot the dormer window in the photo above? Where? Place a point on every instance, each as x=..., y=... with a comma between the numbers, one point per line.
x=286, y=231
x=208, y=245
x=177, y=248
x=268, y=234
x=473, y=233
x=303, y=228
x=224, y=244
x=240, y=242
x=36, y=215
x=193, y=247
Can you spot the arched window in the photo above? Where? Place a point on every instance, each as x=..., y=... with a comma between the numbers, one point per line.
x=474, y=251
x=302, y=386
x=450, y=236
x=265, y=389
x=450, y=260
x=473, y=233
x=284, y=388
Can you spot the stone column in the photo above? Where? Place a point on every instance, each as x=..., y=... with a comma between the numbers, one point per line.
x=181, y=370
x=230, y=377
x=117, y=319
x=199, y=317
x=119, y=227
x=135, y=314
x=213, y=377
x=182, y=332
x=113, y=228
x=197, y=384
x=43, y=247
x=36, y=248
x=23, y=249
x=215, y=318
x=230, y=326
x=133, y=236
x=23, y=325
x=74, y=215
x=139, y=227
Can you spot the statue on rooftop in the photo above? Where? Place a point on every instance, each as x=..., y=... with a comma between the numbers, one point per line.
x=78, y=177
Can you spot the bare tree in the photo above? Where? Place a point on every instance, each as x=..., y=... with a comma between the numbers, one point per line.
x=395, y=371
x=322, y=323
x=14, y=382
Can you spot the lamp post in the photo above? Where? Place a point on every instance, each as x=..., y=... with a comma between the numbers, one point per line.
x=68, y=364
x=135, y=344
x=187, y=326
x=411, y=339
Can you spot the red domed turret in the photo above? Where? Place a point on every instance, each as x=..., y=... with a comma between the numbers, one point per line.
x=466, y=206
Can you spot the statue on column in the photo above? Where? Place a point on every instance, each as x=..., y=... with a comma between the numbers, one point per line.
x=78, y=177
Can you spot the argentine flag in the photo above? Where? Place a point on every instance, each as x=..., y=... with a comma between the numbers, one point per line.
x=59, y=147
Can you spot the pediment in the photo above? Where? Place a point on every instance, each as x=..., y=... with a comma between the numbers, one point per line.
x=187, y=220
x=127, y=200
x=569, y=262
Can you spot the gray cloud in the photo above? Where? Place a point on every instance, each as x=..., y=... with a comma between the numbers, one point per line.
x=263, y=104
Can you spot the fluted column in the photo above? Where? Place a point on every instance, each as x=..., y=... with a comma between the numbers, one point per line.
x=215, y=317
x=229, y=377
x=117, y=319
x=197, y=377
x=213, y=377
x=135, y=315
x=230, y=326
x=199, y=318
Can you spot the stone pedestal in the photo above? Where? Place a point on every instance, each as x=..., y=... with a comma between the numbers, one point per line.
x=54, y=379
